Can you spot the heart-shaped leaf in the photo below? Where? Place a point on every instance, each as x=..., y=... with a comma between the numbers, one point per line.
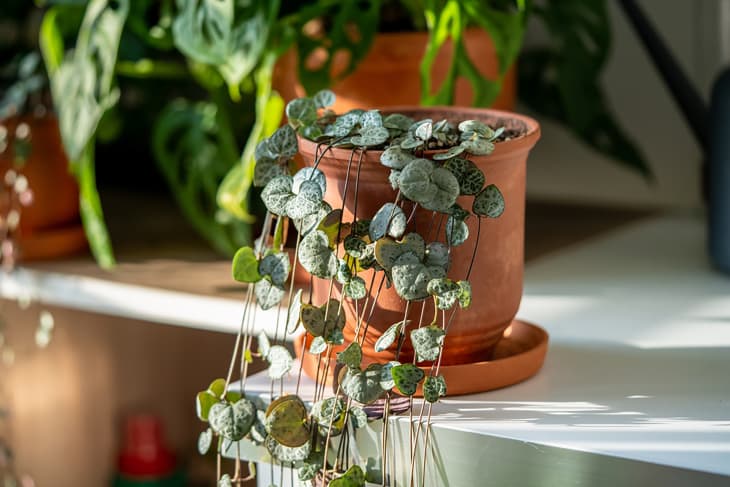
x=286, y=421
x=264, y=344
x=371, y=118
x=477, y=146
x=203, y=402
x=280, y=361
x=446, y=291
x=328, y=410
x=406, y=378
x=344, y=274
x=309, y=174
x=437, y=254
x=427, y=342
x=371, y=137
x=318, y=345
x=335, y=337
x=389, y=220
x=311, y=222
x=330, y=225
x=344, y=124
x=316, y=255
x=397, y=121
x=319, y=321
x=350, y=356
x=268, y=294
x=355, y=288
x=386, y=375
x=283, y=143
x=452, y=152
x=204, y=441
x=307, y=201
x=232, y=421
x=389, y=336
x=301, y=112
x=395, y=157
x=433, y=187
x=245, y=266
x=276, y=266
x=277, y=193
x=388, y=251
x=464, y=294
x=457, y=231
x=470, y=177
x=444, y=190
x=434, y=387
x=324, y=98
x=476, y=126
x=355, y=246
x=489, y=202
x=295, y=307
x=310, y=466
x=266, y=170
x=287, y=455
x=410, y=142
x=358, y=417
x=363, y=386
x=354, y=477
x=411, y=279
x=424, y=129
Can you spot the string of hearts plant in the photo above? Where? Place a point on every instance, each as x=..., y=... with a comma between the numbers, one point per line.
x=429, y=169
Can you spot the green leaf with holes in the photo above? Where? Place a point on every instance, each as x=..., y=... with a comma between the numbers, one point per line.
x=427, y=342
x=276, y=266
x=446, y=291
x=406, y=378
x=354, y=477
x=232, y=421
x=363, y=386
x=388, y=337
x=434, y=388
x=245, y=266
x=268, y=294
x=277, y=193
x=396, y=157
x=489, y=202
x=316, y=255
x=350, y=356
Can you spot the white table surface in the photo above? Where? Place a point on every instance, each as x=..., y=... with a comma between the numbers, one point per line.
x=636, y=384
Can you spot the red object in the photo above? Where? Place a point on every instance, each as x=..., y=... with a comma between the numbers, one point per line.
x=144, y=453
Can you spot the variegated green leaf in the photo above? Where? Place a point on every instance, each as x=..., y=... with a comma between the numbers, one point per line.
x=389, y=220
x=434, y=387
x=388, y=337
x=318, y=345
x=309, y=174
x=245, y=266
x=324, y=98
x=406, y=378
x=355, y=288
x=276, y=266
x=396, y=157
x=316, y=256
x=350, y=356
x=232, y=421
x=363, y=386
x=427, y=342
x=301, y=112
x=371, y=137
x=446, y=291
x=268, y=294
x=280, y=361
x=489, y=202
x=277, y=194
x=307, y=201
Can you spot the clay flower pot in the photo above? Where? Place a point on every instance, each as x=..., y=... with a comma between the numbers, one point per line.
x=50, y=227
x=389, y=74
x=497, y=275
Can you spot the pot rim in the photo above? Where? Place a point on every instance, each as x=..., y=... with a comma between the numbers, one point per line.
x=501, y=149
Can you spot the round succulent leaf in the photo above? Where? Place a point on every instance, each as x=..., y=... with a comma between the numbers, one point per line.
x=476, y=126
x=363, y=386
x=424, y=129
x=388, y=337
x=434, y=387
x=458, y=212
x=316, y=256
x=225, y=481
x=395, y=157
x=310, y=222
x=354, y=477
x=388, y=251
x=286, y=421
x=283, y=143
x=301, y=111
x=327, y=410
x=265, y=170
x=358, y=417
x=330, y=224
x=355, y=246
x=470, y=177
x=411, y=279
x=309, y=174
x=477, y=146
x=360, y=228
x=263, y=344
x=371, y=137
x=437, y=254
x=232, y=421
x=307, y=201
x=245, y=266
x=310, y=466
x=324, y=98
x=355, y=288
x=464, y=294
x=312, y=317
x=389, y=220
x=371, y=119
x=386, y=376
x=394, y=178
x=318, y=345
x=344, y=274
x=217, y=387
x=427, y=342
x=344, y=124
x=406, y=378
x=446, y=290
x=415, y=180
x=268, y=294
x=443, y=191
x=410, y=142
x=277, y=193
x=457, y=231
x=263, y=152
x=397, y=121
x=312, y=132
x=276, y=266
x=350, y=356
x=489, y=202
x=205, y=439
x=287, y=454
x=449, y=154
x=280, y=362
x=334, y=315
x=293, y=312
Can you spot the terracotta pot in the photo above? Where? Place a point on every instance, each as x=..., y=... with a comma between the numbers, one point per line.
x=50, y=226
x=497, y=275
x=389, y=74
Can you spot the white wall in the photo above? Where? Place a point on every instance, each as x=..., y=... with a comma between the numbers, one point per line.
x=561, y=168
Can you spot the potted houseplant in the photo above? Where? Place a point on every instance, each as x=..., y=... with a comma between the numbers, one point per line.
x=390, y=199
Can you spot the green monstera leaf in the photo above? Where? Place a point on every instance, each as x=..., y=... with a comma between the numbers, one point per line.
x=350, y=356
x=385, y=340
x=446, y=291
x=434, y=388
x=354, y=477
x=316, y=255
x=363, y=386
x=286, y=421
x=429, y=185
x=277, y=193
x=323, y=320
x=276, y=267
x=489, y=202
x=232, y=421
x=268, y=294
x=245, y=266
x=427, y=342
x=389, y=220
x=406, y=378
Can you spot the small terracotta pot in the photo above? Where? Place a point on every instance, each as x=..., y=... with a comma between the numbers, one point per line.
x=496, y=277
x=50, y=226
x=389, y=74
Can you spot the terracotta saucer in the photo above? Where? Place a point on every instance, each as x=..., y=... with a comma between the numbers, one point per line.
x=53, y=242
x=518, y=356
